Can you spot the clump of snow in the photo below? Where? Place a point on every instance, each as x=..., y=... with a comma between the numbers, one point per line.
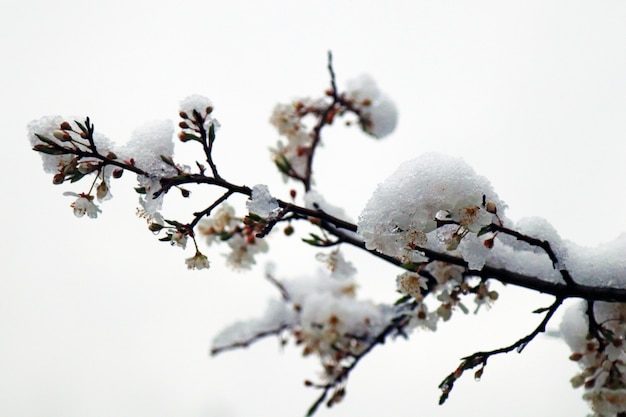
x=323, y=315
x=278, y=315
x=50, y=127
x=379, y=115
x=525, y=262
x=574, y=326
x=539, y=228
x=316, y=201
x=146, y=146
x=262, y=203
x=195, y=102
x=405, y=208
x=604, y=265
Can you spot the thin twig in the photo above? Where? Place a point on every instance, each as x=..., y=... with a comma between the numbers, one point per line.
x=480, y=358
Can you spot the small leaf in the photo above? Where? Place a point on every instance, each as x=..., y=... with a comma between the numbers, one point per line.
x=50, y=150
x=185, y=137
x=211, y=133
x=46, y=140
x=140, y=190
x=76, y=176
x=81, y=126
x=168, y=160
x=402, y=300
x=174, y=223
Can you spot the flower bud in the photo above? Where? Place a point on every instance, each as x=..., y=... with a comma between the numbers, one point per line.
x=117, y=173
x=577, y=381
x=58, y=179
x=155, y=227
x=65, y=126
x=61, y=135
x=491, y=207
x=102, y=190
x=289, y=230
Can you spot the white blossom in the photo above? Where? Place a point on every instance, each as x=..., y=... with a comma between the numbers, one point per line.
x=406, y=207
x=198, y=261
x=379, y=115
x=243, y=251
x=84, y=205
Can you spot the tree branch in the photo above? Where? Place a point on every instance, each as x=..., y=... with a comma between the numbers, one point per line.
x=480, y=358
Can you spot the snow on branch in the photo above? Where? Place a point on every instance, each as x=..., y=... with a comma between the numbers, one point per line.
x=435, y=219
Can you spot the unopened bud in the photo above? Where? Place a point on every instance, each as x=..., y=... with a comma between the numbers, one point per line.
x=488, y=243
x=117, y=173
x=577, y=381
x=491, y=207
x=183, y=125
x=111, y=155
x=65, y=126
x=292, y=193
x=185, y=193
x=61, y=135
x=102, y=190
x=590, y=383
x=454, y=241
x=576, y=356
x=289, y=230
x=183, y=115
x=58, y=179
x=155, y=227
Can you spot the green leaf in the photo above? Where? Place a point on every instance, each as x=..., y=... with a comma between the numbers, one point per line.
x=283, y=164
x=50, y=150
x=46, y=140
x=255, y=217
x=76, y=176
x=211, y=133
x=185, y=137
x=168, y=160
x=225, y=236
x=402, y=299
x=314, y=241
x=81, y=126
x=484, y=230
x=140, y=190
x=174, y=223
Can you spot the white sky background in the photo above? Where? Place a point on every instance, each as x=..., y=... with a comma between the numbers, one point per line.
x=98, y=318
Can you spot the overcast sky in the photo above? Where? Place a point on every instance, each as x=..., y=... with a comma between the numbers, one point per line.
x=98, y=318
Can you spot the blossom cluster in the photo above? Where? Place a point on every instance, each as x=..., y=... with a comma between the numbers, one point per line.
x=433, y=200
x=320, y=314
x=435, y=217
x=446, y=287
x=600, y=350
x=239, y=234
x=378, y=115
x=300, y=121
